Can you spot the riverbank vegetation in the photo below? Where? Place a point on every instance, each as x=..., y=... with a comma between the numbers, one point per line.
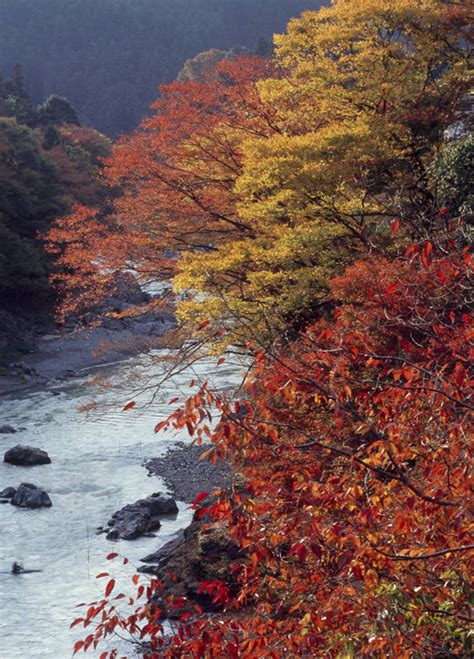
x=48, y=162
x=314, y=212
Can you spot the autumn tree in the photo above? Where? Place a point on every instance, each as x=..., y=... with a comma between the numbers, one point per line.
x=354, y=442
x=264, y=181
x=368, y=90
x=177, y=174
x=314, y=215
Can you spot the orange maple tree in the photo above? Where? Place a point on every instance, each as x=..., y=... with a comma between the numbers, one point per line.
x=177, y=174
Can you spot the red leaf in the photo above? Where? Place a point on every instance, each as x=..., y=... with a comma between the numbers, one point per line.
x=173, y=400
x=104, y=655
x=459, y=373
x=111, y=555
x=395, y=225
x=160, y=426
x=200, y=497
x=220, y=361
x=443, y=211
x=129, y=406
x=77, y=621
x=78, y=646
x=301, y=552
x=110, y=587
x=202, y=325
x=391, y=289
x=102, y=574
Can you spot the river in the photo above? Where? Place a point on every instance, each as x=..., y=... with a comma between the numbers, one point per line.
x=96, y=469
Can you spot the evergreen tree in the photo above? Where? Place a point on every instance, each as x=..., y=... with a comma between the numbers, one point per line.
x=57, y=110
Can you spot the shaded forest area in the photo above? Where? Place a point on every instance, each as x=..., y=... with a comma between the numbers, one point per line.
x=108, y=57
x=48, y=162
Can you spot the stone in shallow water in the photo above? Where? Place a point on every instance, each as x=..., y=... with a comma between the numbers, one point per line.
x=140, y=518
x=7, y=430
x=31, y=496
x=8, y=493
x=26, y=456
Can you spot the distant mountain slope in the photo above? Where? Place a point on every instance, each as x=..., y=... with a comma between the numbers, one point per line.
x=108, y=56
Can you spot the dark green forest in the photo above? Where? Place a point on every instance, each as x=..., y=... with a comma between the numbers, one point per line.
x=48, y=162
x=108, y=56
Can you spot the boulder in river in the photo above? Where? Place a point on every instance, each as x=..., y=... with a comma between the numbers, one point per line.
x=31, y=496
x=140, y=518
x=26, y=456
x=8, y=493
x=7, y=429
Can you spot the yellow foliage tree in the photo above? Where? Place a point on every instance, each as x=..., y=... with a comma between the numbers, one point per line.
x=368, y=89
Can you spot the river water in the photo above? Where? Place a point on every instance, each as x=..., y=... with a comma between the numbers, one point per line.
x=96, y=469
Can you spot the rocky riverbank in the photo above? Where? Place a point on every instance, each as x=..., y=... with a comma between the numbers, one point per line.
x=76, y=349
x=202, y=552
x=186, y=475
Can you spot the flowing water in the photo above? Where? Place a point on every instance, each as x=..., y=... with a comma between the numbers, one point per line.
x=96, y=469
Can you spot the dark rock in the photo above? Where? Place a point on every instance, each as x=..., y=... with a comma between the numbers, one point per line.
x=8, y=493
x=26, y=456
x=200, y=553
x=31, y=496
x=4, y=501
x=114, y=534
x=7, y=430
x=140, y=518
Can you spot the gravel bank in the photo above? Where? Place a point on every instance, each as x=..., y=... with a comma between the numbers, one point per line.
x=185, y=475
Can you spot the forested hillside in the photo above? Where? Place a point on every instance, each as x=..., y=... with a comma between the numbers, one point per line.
x=108, y=56
x=48, y=162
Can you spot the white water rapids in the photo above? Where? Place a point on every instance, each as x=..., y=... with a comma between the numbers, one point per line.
x=96, y=469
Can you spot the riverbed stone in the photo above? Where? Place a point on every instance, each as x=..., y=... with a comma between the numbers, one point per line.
x=7, y=429
x=31, y=496
x=26, y=456
x=8, y=493
x=140, y=518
